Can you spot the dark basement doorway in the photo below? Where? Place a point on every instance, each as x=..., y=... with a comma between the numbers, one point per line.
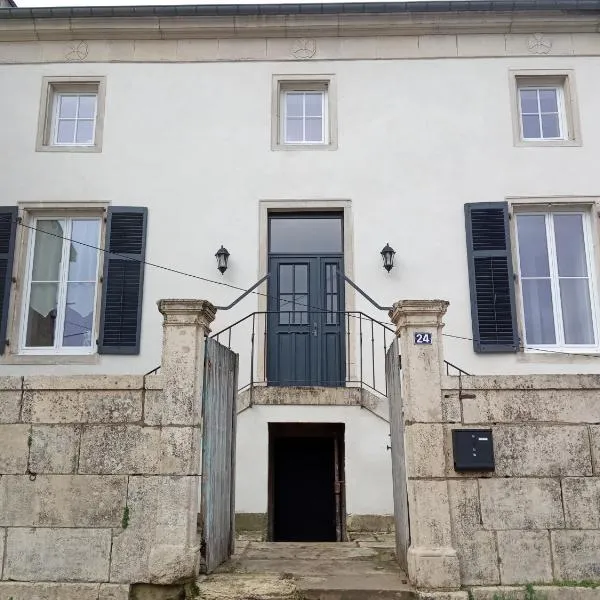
x=306, y=482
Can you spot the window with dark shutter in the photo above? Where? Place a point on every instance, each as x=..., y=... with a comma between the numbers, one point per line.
x=491, y=277
x=8, y=225
x=122, y=291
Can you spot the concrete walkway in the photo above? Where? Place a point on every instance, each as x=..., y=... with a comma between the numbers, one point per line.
x=364, y=569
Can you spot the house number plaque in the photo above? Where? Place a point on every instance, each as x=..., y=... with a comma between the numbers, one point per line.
x=423, y=338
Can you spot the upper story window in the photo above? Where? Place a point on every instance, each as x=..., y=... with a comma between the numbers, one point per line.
x=74, y=119
x=542, y=113
x=61, y=287
x=557, y=284
x=304, y=117
x=71, y=114
x=544, y=108
x=304, y=113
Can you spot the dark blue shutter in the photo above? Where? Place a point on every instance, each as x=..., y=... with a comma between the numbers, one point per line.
x=123, y=281
x=8, y=226
x=491, y=277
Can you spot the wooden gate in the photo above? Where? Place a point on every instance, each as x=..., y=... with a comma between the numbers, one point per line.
x=392, y=374
x=218, y=454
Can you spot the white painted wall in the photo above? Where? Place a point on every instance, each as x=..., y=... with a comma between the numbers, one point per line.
x=417, y=139
x=368, y=464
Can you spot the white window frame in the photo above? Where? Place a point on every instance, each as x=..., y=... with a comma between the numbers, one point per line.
x=324, y=118
x=560, y=345
x=560, y=103
x=57, y=95
x=58, y=348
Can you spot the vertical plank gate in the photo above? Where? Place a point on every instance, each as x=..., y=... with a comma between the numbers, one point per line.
x=392, y=374
x=218, y=454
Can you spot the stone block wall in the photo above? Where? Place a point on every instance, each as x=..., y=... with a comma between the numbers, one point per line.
x=536, y=518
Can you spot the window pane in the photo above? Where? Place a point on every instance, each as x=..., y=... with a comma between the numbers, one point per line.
x=83, y=260
x=85, y=132
x=301, y=279
x=41, y=318
x=305, y=235
x=314, y=104
x=539, y=315
x=570, y=245
x=533, y=247
x=314, y=130
x=577, y=311
x=531, y=127
x=293, y=130
x=67, y=107
x=529, y=101
x=286, y=279
x=47, y=250
x=87, y=107
x=79, y=314
x=293, y=104
x=550, y=126
x=548, y=101
x=65, y=132
x=286, y=306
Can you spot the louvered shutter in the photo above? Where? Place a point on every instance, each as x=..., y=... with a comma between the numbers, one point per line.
x=491, y=277
x=8, y=226
x=123, y=282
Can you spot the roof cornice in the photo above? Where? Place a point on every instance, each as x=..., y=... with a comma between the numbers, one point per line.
x=293, y=25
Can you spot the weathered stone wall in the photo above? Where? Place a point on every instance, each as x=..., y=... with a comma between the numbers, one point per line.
x=100, y=475
x=536, y=518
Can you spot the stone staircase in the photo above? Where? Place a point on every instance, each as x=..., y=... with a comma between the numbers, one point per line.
x=364, y=569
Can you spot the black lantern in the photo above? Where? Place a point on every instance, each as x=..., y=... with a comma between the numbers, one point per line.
x=387, y=254
x=222, y=257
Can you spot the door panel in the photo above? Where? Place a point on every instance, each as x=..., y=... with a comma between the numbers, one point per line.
x=305, y=340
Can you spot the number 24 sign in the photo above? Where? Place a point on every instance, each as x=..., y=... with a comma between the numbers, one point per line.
x=423, y=338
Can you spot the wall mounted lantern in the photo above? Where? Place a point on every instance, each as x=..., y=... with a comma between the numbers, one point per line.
x=222, y=257
x=387, y=254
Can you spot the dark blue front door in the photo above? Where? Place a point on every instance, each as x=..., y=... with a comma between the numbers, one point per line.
x=305, y=324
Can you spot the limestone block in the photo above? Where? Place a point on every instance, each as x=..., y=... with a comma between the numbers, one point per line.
x=10, y=406
x=119, y=449
x=576, y=555
x=177, y=510
x=157, y=411
x=464, y=505
x=10, y=383
x=180, y=451
x=62, y=500
x=108, y=383
x=481, y=45
x=2, y=538
x=432, y=568
x=451, y=408
x=73, y=406
x=524, y=557
x=500, y=591
x=15, y=590
x=14, y=448
x=76, y=555
x=530, y=403
x=595, y=435
x=478, y=558
x=424, y=450
x=171, y=564
x=522, y=451
x=442, y=595
x=521, y=503
x=429, y=513
x=54, y=448
x=114, y=591
x=567, y=593
x=581, y=497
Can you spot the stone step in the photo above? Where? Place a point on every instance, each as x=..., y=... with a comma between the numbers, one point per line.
x=380, y=586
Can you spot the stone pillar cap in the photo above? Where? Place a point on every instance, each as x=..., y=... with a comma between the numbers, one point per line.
x=187, y=311
x=418, y=312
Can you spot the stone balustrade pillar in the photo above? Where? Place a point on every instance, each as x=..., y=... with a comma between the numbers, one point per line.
x=432, y=561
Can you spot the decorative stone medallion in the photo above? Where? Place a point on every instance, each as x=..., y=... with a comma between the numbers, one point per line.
x=78, y=52
x=538, y=44
x=304, y=49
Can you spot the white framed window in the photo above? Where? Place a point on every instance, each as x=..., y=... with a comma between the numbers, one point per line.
x=71, y=114
x=542, y=113
x=61, y=286
x=304, y=116
x=556, y=274
x=74, y=119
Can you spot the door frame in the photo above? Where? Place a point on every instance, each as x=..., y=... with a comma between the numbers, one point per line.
x=334, y=430
x=298, y=206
